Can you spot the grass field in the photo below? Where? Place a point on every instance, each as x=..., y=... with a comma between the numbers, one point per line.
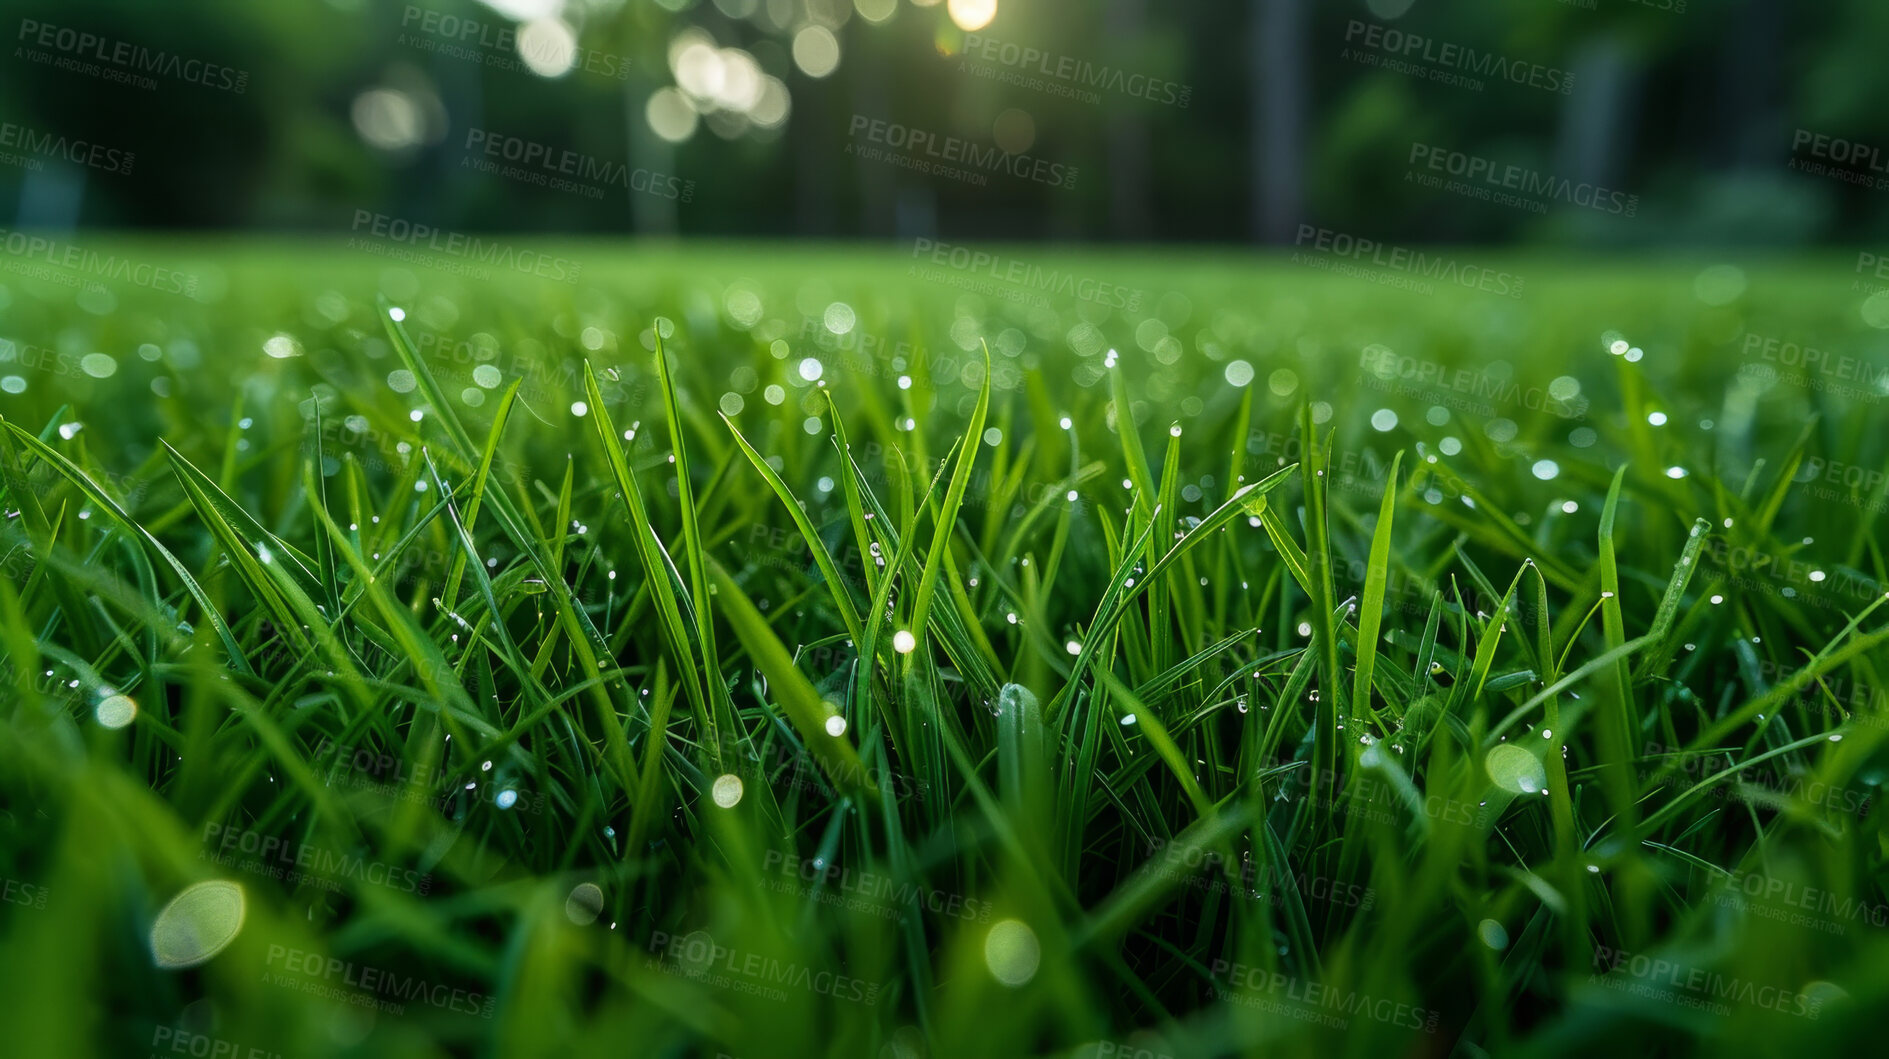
x=1491, y=667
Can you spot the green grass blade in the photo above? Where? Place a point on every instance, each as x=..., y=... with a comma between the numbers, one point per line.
x=954, y=498
x=1376, y=574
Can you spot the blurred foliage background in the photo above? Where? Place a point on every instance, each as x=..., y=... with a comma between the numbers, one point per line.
x=1691, y=106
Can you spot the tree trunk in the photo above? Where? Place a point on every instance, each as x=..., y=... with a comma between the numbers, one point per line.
x=1279, y=100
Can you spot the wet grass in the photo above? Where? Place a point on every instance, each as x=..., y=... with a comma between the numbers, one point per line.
x=762, y=652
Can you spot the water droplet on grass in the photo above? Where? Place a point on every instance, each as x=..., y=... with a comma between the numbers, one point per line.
x=116, y=711
x=1514, y=769
x=1493, y=934
x=199, y=922
x=584, y=904
x=1011, y=952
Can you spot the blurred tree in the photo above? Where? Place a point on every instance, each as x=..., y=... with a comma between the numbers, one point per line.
x=367, y=104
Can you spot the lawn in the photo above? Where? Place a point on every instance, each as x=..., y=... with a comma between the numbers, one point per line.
x=418, y=647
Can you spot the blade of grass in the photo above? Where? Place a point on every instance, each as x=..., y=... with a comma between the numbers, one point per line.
x=1376, y=574
x=954, y=498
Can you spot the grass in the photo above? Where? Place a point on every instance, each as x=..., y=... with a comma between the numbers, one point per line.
x=1331, y=669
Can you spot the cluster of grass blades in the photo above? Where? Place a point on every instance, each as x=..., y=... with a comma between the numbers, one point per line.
x=833, y=727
